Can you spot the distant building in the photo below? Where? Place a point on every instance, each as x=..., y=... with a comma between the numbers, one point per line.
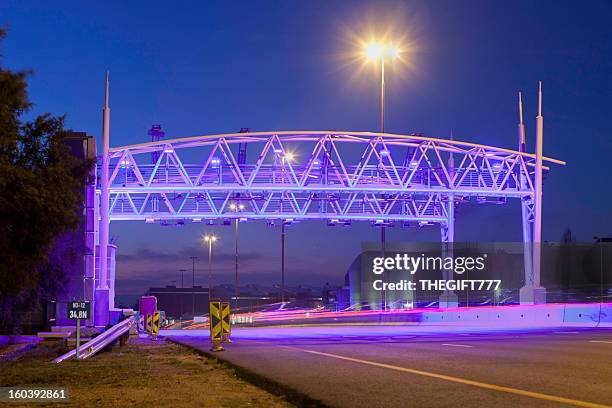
x=181, y=303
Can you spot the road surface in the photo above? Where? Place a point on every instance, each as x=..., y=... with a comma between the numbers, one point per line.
x=412, y=366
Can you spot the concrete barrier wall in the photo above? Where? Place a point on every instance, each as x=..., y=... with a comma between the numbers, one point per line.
x=551, y=315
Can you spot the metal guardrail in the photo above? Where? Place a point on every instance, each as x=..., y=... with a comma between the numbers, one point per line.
x=99, y=342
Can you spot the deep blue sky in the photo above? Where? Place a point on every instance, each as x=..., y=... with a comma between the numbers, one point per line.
x=218, y=66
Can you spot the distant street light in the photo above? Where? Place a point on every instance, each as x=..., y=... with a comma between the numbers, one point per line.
x=236, y=208
x=289, y=156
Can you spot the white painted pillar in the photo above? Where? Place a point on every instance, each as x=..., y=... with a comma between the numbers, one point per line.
x=447, y=236
x=532, y=292
x=525, y=201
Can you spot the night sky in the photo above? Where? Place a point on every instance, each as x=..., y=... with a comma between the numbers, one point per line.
x=289, y=65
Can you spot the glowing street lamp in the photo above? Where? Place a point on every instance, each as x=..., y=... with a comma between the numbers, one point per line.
x=209, y=239
x=376, y=52
x=289, y=156
x=283, y=157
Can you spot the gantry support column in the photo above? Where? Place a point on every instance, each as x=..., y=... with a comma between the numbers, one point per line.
x=532, y=292
x=101, y=306
x=448, y=298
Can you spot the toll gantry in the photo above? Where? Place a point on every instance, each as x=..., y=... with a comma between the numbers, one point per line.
x=335, y=176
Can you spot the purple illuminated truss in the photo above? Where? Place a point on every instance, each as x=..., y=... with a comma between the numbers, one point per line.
x=313, y=175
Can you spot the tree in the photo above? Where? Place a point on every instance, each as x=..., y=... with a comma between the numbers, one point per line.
x=41, y=189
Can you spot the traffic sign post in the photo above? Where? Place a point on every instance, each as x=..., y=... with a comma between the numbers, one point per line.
x=225, y=322
x=216, y=331
x=155, y=325
x=78, y=310
x=149, y=323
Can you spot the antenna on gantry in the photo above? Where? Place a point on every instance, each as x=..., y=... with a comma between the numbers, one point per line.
x=521, y=126
x=451, y=160
x=106, y=94
x=156, y=134
x=242, y=149
x=540, y=100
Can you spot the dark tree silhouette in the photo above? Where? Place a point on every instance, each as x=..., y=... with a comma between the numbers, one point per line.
x=41, y=187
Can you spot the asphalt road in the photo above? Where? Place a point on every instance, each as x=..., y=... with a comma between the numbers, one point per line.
x=404, y=366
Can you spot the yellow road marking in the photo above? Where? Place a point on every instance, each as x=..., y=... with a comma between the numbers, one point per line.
x=460, y=380
x=600, y=341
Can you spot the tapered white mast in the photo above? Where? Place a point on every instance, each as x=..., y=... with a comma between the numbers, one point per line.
x=537, y=227
x=104, y=221
x=526, y=222
x=521, y=126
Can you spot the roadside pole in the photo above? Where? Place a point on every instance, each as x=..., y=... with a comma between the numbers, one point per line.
x=78, y=338
x=78, y=310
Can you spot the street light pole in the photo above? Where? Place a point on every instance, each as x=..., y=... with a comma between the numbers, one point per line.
x=286, y=157
x=382, y=95
x=236, y=208
x=378, y=52
x=236, y=291
x=282, y=263
x=182, y=271
x=193, y=259
x=210, y=239
x=209, y=269
x=382, y=130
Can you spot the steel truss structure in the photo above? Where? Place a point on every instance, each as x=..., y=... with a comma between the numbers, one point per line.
x=334, y=176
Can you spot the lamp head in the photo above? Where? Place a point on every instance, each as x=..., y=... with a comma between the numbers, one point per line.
x=374, y=51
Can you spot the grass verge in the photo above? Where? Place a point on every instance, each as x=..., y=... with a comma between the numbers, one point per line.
x=141, y=374
x=265, y=383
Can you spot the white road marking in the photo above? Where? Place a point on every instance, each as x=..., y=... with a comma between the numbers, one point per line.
x=567, y=332
x=460, y=380
x=456, y=345
x=600, y=341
